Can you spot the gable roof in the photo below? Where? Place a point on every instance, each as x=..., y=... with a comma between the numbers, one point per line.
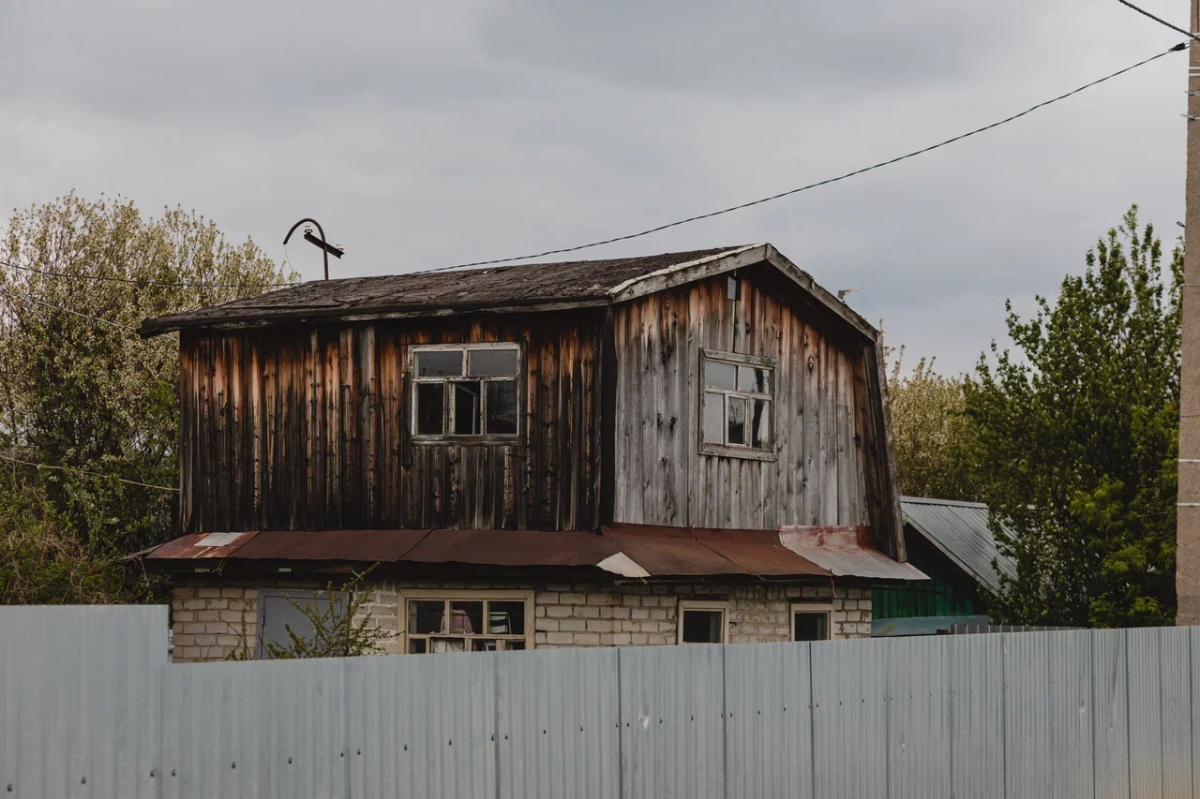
x=959, y=530
x=502, y=289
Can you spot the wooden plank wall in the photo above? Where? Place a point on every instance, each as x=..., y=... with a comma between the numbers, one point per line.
x=308, y=428
x=819, y=475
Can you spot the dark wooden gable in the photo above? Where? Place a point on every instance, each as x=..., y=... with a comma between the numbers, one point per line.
x=309, y=428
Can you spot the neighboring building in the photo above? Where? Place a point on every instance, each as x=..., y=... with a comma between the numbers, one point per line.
x=949, y=541
x=690, y=447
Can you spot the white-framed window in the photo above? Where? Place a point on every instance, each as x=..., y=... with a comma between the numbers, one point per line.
x=812, y=621
x=737, y=405
x=466, y=621
x=703, y=622
x=466, y=391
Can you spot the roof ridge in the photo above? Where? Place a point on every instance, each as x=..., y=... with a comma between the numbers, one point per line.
x=958, y=503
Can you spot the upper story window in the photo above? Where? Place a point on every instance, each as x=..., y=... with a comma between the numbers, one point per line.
x=465, y=390
x=736, y=406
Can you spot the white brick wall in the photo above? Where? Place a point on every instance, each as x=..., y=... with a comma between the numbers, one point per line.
x=208, y=622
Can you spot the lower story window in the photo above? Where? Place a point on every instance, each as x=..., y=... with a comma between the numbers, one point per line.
x=812, y=622
x=468, y=621
x=703, y=622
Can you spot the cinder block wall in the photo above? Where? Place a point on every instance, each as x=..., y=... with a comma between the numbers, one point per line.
x=213, y=623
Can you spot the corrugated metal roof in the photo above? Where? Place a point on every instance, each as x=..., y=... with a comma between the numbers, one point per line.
x=959, y=530
x=844, y=551
x=650, y=551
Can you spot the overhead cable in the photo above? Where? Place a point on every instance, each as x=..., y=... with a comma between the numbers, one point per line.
x=100, y=319
x=1159, y=20
x=143, y=282
x=820, y=183
x=85, y=471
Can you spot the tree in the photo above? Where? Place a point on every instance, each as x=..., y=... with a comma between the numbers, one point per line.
x=341, y=621
x=89, y=395
x=1078, y=440
x=932, y=436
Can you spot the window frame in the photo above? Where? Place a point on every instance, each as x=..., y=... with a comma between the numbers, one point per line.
x=463, y=595
x=301, y=596
x=448, y=394
x=703, y=605
x=814, y=608
x=723, y=449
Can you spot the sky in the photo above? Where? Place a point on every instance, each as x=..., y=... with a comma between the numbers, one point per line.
x=428, y=134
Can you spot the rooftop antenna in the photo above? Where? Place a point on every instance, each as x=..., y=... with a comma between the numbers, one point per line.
x=327, y=249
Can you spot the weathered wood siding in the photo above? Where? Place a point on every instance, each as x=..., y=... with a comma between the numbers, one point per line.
x=308, y=428
x=822, y=443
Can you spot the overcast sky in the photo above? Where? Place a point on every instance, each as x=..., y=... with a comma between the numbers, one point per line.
x=426, y=134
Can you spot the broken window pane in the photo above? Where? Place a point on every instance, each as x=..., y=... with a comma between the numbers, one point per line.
x=760, y=425
x=467, y=406
x=502, y=407
x=714, y=418
x=702, y=626
x=506, y=618
x=736, y=423
x=812, y=626
x=466, y=618
x=751, y=378
x=429, y=409
x=720, y=375
x=439, y=363
x=426, y=616
x=492, y=363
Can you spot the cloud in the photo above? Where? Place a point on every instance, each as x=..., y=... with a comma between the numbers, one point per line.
x=428, y=134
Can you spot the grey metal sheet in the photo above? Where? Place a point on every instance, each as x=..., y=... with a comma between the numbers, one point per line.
x=960, y=530
x=267, y=730
x=425, y=725
x=1145, y=713
x=768, y=734
x=976, y=716
x=1028, y=764
x=1110, y=714
x=672, y=722
x=79, y=701
x=558, y=724
x=1175, y=658
x=850, y=718
x=1070, y=706
x=918, y=718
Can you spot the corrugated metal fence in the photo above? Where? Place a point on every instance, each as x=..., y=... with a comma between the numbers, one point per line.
x=89, y=707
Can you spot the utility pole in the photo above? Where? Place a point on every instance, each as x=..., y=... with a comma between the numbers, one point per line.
x=1187, y=531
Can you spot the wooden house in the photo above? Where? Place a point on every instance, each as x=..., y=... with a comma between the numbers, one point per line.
x=683, y=447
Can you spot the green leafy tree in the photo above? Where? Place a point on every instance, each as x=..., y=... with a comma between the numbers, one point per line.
x=932, y=435
x=87, y=395
x=1078, y=440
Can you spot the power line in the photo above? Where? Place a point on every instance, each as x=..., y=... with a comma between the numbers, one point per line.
x=141, y=282
x=826, y=182
x=1159, y=20
x=85, y=471
x=39, y=301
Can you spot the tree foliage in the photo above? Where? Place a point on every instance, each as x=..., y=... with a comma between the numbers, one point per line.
x=932, y=436
x=1078, y=433
x=83, y=394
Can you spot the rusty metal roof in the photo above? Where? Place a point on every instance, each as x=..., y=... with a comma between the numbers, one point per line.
x=846, y=552
x=645, y=551
x=502, y=287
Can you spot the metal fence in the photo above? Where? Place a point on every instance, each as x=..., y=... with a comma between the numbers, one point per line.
x=89, y=707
